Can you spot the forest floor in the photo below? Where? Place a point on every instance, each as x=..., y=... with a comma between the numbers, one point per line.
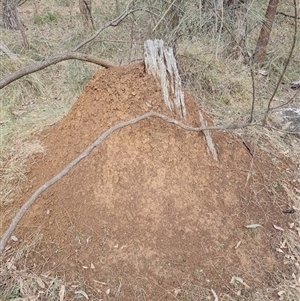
x=149, y=215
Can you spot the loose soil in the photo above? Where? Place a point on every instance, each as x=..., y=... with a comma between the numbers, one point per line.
x=149, y=214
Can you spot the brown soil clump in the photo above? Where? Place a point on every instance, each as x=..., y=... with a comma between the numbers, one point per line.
x=149, y=215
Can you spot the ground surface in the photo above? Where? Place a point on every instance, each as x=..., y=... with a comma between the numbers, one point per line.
x=148, y=214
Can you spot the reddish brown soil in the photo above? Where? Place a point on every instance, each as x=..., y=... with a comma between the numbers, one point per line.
x=149, y=212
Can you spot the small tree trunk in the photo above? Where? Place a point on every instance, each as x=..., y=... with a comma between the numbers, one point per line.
x=10, y=14
x=85, y=8
x=263, y=40
x=12, y=21
x=237, y=23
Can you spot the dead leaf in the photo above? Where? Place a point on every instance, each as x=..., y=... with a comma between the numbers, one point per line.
x=278, y=228
x=108, y=291
x=262, y=72
x=235, y=279
x=82, y=293
x=102, y=283
x=279, y=250
x=283, y=245
x=40, y=282
x=280, y=293
x=177, y=291
x=92, y=266
x=215, y=295
x=62, y=293
x=238, y=244
x=253, y=226
x=14, y=238
x=285, y=152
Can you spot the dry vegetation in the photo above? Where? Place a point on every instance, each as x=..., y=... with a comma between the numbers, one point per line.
x=221, y=84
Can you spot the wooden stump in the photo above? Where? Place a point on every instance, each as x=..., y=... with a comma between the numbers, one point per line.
x=161, y=63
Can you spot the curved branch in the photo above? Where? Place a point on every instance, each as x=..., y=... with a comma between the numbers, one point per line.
x=51, y=60
x=88, y=150
x=73, y=54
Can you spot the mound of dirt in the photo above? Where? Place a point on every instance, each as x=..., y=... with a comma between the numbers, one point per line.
x=148, y=214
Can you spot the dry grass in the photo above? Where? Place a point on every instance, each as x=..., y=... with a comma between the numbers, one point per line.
x=220, y=84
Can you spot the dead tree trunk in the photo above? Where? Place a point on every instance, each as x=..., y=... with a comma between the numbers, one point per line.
x=12, y=21
x=161, y=63
x=263, y=40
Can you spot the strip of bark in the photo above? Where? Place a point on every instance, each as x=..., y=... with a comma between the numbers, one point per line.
x=210, y=144
x=51, y=60
x=88, y=150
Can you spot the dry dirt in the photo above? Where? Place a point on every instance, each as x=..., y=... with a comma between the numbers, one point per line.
x=149, y=214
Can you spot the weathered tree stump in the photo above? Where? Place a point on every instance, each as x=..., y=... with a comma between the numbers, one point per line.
x=161, y=63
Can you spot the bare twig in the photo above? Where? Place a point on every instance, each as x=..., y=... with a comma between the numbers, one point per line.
x=88, y=150
x=253, y=90
x=286, y=64
x=163, y=16
x=114, y=22
x=286, y=15
x=223, y=24
x=286, y=103
x=51, y=60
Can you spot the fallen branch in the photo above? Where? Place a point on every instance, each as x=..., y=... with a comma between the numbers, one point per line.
x=52, y=60
x=88, y=150
x=73, y=54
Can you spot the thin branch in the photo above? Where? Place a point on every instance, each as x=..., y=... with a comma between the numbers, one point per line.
x=89, y=149
x=114, y=22
x=279, y=130
x=51, y=60
x=163, y=16
x=253, y=90
x=286, y=103
x=286, y=15
x=286, y=64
